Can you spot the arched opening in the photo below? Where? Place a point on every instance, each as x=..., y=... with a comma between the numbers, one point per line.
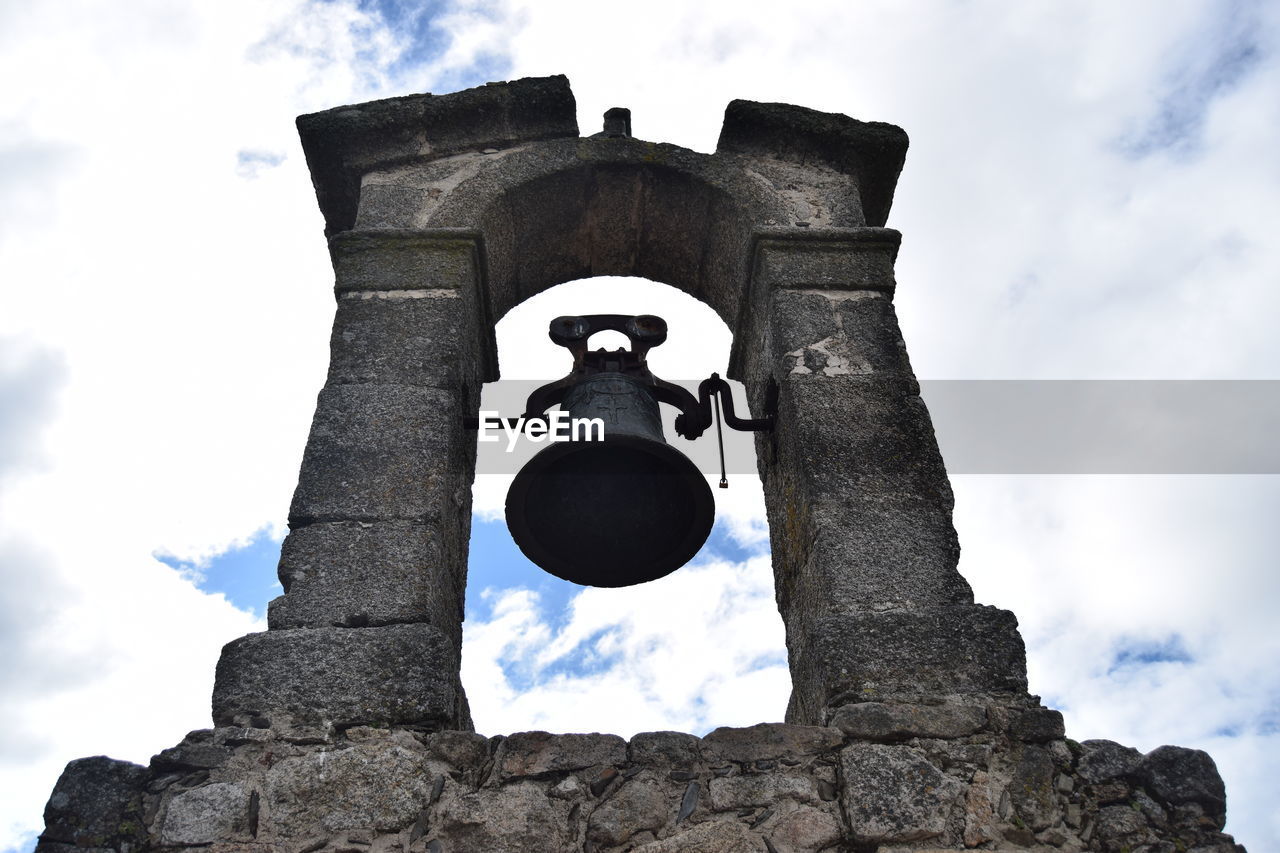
x=700, y=648
x=659, y=212
x=608, y=340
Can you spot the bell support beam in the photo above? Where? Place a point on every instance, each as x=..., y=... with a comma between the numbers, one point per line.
x=369, y=629
x=858, y=499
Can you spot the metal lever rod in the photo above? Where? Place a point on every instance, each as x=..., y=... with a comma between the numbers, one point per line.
x=692, y=423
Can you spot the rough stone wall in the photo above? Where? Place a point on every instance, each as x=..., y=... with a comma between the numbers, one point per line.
x=879, y=778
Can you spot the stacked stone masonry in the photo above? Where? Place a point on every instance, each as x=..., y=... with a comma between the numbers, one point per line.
x=444, y=212
x=880, y=777
x=345, y=726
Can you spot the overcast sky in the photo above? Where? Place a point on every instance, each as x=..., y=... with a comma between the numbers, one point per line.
x=1091, y=192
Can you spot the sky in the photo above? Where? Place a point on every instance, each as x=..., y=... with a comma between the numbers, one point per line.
x=1090, y=193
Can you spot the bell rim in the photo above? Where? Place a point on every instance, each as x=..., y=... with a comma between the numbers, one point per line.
x=690, y=544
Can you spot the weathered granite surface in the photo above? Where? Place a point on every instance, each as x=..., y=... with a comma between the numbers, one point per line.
x=390, y=675
x=882, y=777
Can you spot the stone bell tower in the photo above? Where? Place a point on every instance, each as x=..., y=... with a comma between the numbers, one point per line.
x=345, y=725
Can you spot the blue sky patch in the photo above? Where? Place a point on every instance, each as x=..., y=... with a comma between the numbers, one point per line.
x=249, y=164
x=1132, y=654
x=27, y=845
x=245, y=575
x=722, y=546
x=495, y=561
x=422, y=40
x=486, y=68
x=1211, y=69
x=1269, y=722
x=415, y=23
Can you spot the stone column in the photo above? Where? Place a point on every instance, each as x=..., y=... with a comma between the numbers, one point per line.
x=369, y=630
x=859, y=503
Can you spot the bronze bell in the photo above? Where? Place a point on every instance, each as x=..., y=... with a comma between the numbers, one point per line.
x=625, y=509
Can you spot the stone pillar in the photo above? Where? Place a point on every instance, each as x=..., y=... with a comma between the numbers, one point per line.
x=374, y=568
x=369, y=629
x=859, y=503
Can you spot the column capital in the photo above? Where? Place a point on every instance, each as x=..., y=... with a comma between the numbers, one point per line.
x=407, y=259
x=825, y=258
x=407, y=263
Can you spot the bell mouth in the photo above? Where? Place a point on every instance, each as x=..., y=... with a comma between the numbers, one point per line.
x=610, y=513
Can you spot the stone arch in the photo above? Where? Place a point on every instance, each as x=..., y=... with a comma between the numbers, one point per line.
x=563, y=210
x=442, y=213
x=555, y=207
x=667, y=221
x=625, y=219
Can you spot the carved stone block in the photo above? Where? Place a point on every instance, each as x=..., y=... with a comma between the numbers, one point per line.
x=357, y=574
x=399, y=674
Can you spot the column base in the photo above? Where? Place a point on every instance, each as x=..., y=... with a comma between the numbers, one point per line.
x=340, y=677
x=966, y=654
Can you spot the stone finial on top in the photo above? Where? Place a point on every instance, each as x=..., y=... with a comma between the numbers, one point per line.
x=617, y=122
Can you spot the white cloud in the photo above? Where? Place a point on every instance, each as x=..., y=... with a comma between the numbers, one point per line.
x=190, y=306
x=178, y=307
x=698, y=649
x=1105, y=571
